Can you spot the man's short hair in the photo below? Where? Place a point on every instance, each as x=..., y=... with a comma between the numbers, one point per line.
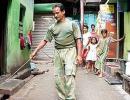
x=61, y=6
x=86, y=26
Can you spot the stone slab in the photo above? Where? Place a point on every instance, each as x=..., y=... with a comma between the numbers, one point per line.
x=11, y=86
x=113, y=80
x=112, y=70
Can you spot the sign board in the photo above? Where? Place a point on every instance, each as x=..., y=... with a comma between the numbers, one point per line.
x=108, y=21
x=104, y=8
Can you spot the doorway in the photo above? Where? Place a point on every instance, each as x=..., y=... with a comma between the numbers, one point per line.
x=121, y=34
x=3, y=16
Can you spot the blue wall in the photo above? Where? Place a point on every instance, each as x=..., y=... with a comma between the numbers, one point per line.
x=90, y=19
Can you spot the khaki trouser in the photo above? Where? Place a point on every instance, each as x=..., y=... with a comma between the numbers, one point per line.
x=65, y=70
x=65, y=87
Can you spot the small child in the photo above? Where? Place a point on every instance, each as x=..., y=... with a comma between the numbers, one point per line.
x=92, y=54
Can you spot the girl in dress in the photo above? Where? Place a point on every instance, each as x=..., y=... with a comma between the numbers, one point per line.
x=92, y=54
x=103, y=50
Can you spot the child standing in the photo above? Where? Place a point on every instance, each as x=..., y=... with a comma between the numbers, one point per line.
x=92, y=54
x=103, y=50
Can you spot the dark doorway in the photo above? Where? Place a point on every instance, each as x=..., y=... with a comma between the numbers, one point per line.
x=3, y=16
x=121, y=34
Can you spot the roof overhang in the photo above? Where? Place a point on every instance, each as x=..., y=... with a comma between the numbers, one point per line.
x=54, y=1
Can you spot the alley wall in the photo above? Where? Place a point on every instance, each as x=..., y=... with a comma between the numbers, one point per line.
x=127, y=32
x=15, y=56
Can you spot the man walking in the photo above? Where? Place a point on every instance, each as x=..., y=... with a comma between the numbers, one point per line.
x=68, y=49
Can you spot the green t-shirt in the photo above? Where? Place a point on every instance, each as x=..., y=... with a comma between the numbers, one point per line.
x=64, y=33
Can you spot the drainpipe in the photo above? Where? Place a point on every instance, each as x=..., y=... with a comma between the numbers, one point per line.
x=117, y=33
x=107, y=2
x=81, y=14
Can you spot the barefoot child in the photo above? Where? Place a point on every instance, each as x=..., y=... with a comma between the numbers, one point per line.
x=103, y=50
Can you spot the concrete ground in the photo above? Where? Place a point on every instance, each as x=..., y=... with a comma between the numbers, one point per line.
x=88, y=87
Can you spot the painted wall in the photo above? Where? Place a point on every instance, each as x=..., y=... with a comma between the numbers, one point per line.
x=89, y=19
x=127, y=32
x=15, y=56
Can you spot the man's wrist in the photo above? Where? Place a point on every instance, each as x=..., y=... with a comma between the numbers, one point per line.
x=79, y=57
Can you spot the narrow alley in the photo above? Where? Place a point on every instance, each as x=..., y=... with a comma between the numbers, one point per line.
x=99, y=26
x=88, y=87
